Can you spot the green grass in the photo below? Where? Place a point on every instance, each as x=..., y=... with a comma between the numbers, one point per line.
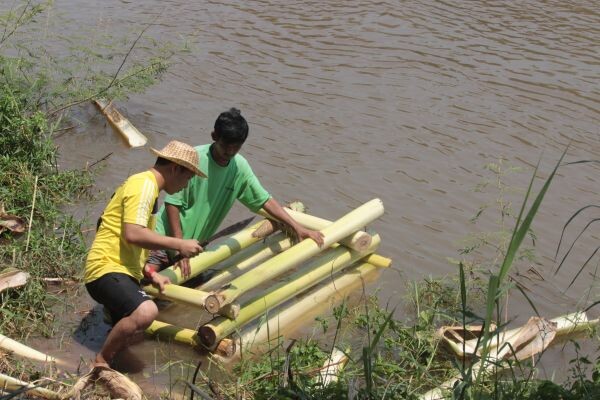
x=38, y=90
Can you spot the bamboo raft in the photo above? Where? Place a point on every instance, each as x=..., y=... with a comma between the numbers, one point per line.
x=259, y=271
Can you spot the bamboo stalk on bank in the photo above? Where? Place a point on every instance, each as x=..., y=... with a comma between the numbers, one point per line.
x=327, y=264
x=357, y=241
x=22, y=350
x=302, y=251
x=13, y=384
x=316, y=301
x=214, y=254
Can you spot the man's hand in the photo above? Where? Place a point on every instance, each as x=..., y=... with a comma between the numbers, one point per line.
x=160, y=281
x=304, y=233
x=189, y=248
x=184, y=264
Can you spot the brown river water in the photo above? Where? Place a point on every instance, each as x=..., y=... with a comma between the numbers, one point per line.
x=402, y=100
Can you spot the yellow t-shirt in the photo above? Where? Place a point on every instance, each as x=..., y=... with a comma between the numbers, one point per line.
x=133, y=203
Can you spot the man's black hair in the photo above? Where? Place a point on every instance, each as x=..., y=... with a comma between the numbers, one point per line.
x=231, y=127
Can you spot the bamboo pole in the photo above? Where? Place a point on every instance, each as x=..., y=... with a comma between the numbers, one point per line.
x=235, y=265
x=292, y=316
x=241, y=262
x=130, y=133
x=13, y=384
x=357, y=241
x=218, y=252
x=22, y=350
x=190, y=337
x=179, y=294
x=171, y=332
x=327, y=264
x=279, y=264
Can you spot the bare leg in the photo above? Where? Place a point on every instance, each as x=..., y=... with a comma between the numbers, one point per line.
x=125, y=329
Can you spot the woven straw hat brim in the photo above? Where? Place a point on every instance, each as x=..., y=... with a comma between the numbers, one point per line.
x=179, y=161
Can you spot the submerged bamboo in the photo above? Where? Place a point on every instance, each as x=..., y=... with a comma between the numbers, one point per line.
x=316, y=301
x=327, y=264
x=277, y=265
x=13, y=384
x=216, y=253
x=130, y=133
x=358, y=241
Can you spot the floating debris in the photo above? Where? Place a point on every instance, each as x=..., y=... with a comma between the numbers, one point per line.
x=130, y=133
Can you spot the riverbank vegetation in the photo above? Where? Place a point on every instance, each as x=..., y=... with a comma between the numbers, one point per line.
x=388, y=357
x=405, y=359
x=39, y=91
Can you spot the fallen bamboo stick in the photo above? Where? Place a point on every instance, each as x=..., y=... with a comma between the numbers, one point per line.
x=334, y=364
x=357, y=241
x=327, y=264
x=128, y=132
x=22, y=350
x=13, y=384
x=216, y=253
x=302, y=251
x=316, y=301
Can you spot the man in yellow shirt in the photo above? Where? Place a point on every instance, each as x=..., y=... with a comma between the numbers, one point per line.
x=115, y=263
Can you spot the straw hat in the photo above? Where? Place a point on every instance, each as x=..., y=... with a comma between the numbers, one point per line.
x=181, y=154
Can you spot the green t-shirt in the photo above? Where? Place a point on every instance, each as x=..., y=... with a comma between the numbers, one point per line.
x=205, y=202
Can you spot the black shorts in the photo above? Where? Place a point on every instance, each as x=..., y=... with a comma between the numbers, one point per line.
x=121, y=294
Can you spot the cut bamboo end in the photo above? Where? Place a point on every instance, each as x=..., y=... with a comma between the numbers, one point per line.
x=208, y=336
x=213, y=303
x=265, y=229
x=360, y=241
x=230, y=311
x=379, y=261
x=226, y=348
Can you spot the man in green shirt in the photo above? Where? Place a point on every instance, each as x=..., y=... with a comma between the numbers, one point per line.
x=197, y=211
